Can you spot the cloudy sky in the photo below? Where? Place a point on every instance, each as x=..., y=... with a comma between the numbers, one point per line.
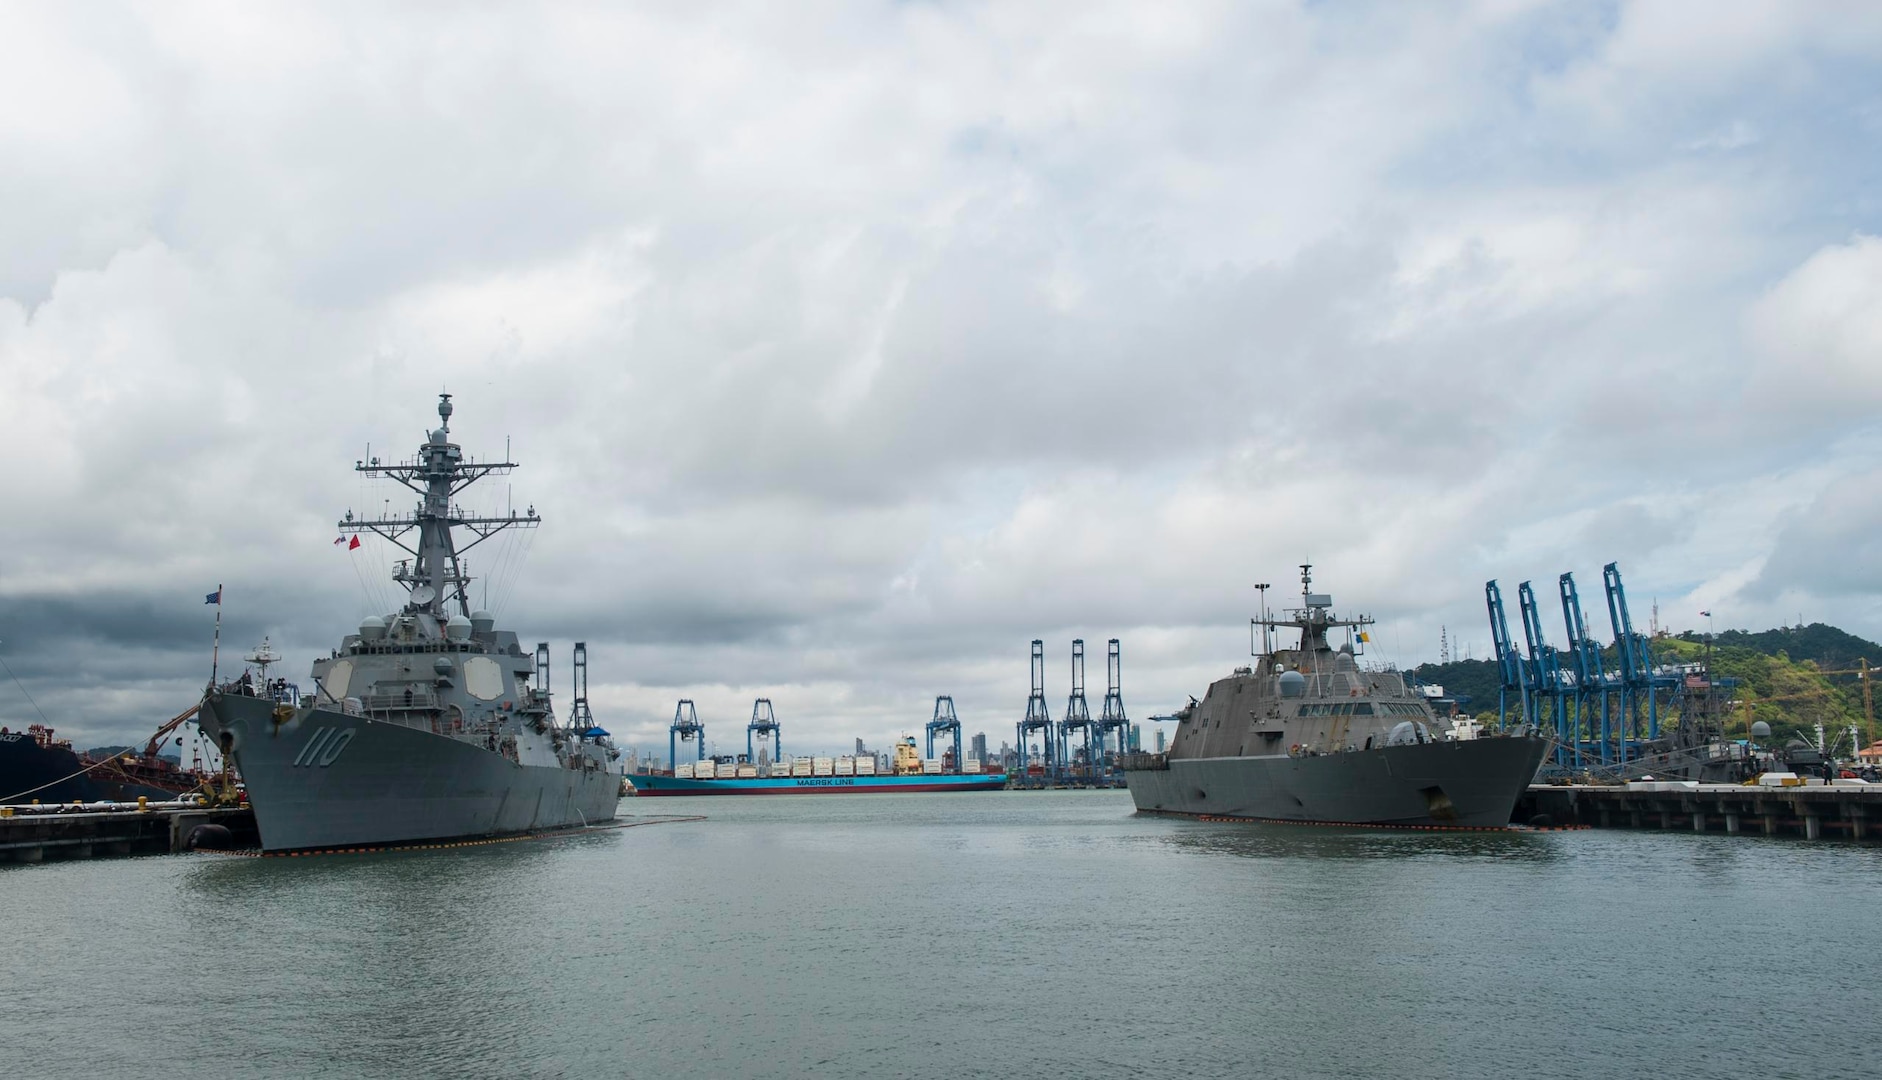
x=847, y=347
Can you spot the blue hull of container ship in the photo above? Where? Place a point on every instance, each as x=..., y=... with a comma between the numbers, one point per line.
x=652, y=784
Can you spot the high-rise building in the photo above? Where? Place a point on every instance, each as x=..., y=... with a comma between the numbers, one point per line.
x=979, y=752
x=1159, y=740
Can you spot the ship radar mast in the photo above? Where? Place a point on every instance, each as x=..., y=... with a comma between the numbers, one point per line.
x=435, y=572
x=1313, y=618
x=263, y=656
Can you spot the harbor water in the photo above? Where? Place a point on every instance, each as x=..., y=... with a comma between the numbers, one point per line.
x=999, y=934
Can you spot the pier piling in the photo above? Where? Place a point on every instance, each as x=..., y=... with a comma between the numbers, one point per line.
x=1812, y=811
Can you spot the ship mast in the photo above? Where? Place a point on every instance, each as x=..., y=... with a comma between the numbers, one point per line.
x=1313, y=618
x=435, y=573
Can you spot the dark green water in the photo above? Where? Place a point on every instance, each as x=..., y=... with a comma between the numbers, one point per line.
x=1047, y=934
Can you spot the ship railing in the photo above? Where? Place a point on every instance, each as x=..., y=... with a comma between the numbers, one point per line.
x=400, y=700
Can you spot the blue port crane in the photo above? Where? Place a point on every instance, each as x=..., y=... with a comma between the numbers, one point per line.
x=1077, y=717
x=945, y=723
x=1588, y=701
x=686, y=725
x=1543, y=673
x=1509, y=666
x=764, y=725
x=1637, y=678
x=1111, y=717
x=1037, y=718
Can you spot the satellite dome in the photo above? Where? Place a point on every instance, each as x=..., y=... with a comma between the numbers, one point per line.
x=1761, y=730
x=1293, y=684
x=482, y=621
x=442, y=665
x=457, y=628
x=372, y=628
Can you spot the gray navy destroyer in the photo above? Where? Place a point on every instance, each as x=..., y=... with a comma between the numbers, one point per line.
x=1308, y=735
x=424, y=725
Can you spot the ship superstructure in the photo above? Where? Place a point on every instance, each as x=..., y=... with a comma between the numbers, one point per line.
x=427, y=723
x=1309, y=734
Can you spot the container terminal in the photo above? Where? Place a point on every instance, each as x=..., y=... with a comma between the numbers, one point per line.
x=1634, y=744
x=769, y=772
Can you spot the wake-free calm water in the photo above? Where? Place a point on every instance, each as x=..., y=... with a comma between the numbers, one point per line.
x=1004, y=934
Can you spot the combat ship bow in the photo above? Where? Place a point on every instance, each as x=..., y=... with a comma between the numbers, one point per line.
x=1307, y=734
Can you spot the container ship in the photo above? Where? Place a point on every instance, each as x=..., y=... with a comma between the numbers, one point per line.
x=37, y=766
x=910, y=772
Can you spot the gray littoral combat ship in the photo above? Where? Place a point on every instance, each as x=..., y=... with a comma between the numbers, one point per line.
x=1308, y=735
x=423, y=725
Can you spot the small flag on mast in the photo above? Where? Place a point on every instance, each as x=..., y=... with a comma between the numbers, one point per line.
x=214, y=597
x=339, y=540
x=354, y=544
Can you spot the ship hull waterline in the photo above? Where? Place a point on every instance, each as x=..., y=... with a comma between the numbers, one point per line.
x=327, y=779
x=1471, y=783
x=651, y=785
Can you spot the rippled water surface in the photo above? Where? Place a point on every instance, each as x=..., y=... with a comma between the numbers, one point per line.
x=1006, y=934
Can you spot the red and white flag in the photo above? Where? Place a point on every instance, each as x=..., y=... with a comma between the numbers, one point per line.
x=354, y=544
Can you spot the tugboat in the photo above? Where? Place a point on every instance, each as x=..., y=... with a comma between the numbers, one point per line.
x=1307, y=735
x=423, y=725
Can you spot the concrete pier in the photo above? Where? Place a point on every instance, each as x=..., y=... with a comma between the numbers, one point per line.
x=31, y=834
x=1813, y=812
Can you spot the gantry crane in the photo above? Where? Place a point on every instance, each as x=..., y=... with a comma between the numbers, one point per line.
x=1037, y=718
x=945, y=723
x=1542, y=679
x=1077, y=716
x=1111, y=718
x=686, y=725
x=764, y=725
x=1509, y=665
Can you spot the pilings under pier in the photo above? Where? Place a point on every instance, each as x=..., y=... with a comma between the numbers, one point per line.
x=33, y=834
x=1845, y=811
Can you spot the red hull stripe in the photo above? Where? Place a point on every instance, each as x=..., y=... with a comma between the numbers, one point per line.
x=852, y=790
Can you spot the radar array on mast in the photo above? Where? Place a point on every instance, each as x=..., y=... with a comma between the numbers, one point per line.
x=435, y=574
